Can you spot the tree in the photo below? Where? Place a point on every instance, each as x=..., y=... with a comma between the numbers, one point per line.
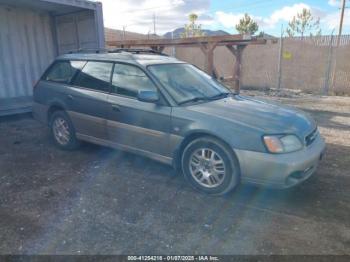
x=304, y=23
x=192, y=29
x=247, y=25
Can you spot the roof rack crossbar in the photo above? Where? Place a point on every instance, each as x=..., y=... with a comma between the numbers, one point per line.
x=89, y=50
x=117, y=50
x=136, y=51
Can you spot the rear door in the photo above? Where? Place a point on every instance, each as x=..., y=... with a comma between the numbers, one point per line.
x=88, y=99
x=132, y=123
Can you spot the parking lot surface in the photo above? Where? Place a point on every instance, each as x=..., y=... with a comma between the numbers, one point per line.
x=100, y=201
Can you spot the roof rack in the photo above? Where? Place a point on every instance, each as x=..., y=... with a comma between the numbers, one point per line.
x=136, y=51
x=89, y=50
x=116, y=50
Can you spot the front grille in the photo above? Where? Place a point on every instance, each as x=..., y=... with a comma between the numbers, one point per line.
x=310, y=138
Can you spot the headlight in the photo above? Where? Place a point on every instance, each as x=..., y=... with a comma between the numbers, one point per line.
x=282, y=144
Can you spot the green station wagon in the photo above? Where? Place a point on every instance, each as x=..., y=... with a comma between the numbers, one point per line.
x=168, y=110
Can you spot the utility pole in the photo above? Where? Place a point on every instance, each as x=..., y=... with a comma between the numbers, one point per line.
x=154, y=24
x=341, y=21
x=124, y=28
x=334, y=76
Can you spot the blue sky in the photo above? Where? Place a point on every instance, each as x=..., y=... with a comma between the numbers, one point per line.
x=137, y=15
x=328, y=11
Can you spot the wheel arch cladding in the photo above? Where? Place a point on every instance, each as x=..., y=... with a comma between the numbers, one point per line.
x=191, y=137
x=53, y=108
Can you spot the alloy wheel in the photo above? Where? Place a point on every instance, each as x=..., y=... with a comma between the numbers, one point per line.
x=207, y=167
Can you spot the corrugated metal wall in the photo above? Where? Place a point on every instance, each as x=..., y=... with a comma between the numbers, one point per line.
x=75, y=31
x=26, y=49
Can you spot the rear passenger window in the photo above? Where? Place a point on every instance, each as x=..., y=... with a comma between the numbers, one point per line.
x=63, y=71
x=128, y=80
x=95, y=75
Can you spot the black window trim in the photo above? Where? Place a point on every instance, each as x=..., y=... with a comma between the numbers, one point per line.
x=164, y=99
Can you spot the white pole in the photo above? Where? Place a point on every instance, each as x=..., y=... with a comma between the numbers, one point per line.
x=279, y=70
x=174, y=50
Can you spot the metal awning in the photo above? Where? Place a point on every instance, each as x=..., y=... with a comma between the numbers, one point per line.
x=191, y=41
x=55, y=7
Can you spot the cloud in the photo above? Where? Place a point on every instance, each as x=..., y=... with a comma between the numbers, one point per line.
x=228, y=19
x=284, y=14
x=333, y=2
x=331, y=21
x=137, y=15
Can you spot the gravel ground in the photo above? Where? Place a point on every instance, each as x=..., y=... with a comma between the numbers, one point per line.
x=100, y=201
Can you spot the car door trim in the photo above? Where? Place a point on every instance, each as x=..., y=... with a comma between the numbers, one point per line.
x=97, y=120
x=151, y=155
x=137, y=129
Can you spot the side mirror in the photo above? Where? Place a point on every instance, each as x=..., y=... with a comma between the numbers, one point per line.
x=148, y=96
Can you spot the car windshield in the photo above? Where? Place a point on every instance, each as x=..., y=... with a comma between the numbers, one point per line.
x=186, y=83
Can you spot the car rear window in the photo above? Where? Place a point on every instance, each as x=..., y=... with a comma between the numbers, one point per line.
x=63, y=71
x=95, y=75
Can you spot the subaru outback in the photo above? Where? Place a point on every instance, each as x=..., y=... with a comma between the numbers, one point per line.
x=172, y=112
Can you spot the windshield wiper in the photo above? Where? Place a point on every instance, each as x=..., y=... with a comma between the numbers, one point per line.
x=219, y=96
x=195, y=99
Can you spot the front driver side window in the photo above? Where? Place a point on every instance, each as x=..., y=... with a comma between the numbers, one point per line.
x=128, y=80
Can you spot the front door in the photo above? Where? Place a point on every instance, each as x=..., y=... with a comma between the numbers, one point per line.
x=136, y=125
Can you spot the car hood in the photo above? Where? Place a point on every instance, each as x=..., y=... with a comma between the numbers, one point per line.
x=266, y=117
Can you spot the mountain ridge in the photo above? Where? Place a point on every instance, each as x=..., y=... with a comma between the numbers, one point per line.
x=178, y=31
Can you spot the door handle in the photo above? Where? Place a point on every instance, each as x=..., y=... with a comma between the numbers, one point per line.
x=116, y=108
x=70, y=97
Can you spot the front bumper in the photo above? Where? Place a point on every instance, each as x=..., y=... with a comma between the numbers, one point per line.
x=280, y=170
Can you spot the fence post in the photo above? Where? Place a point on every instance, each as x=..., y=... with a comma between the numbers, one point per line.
x=279, y=70
x=237, y=52
x=329, y=66
x=208, y=51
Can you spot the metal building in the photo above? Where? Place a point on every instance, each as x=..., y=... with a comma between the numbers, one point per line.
x=32, y=34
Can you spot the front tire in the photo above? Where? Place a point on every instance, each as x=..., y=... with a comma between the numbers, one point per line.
x=62, y=131
x=210, y=166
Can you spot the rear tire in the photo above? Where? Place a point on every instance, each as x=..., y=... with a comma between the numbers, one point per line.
x=62, y=131
x=210, y=166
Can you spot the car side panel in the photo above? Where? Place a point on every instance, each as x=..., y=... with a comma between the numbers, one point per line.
x=140, y=125
x=86, y=108
x=48, y=94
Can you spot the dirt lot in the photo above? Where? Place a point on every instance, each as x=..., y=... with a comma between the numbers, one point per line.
x=100, y=201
